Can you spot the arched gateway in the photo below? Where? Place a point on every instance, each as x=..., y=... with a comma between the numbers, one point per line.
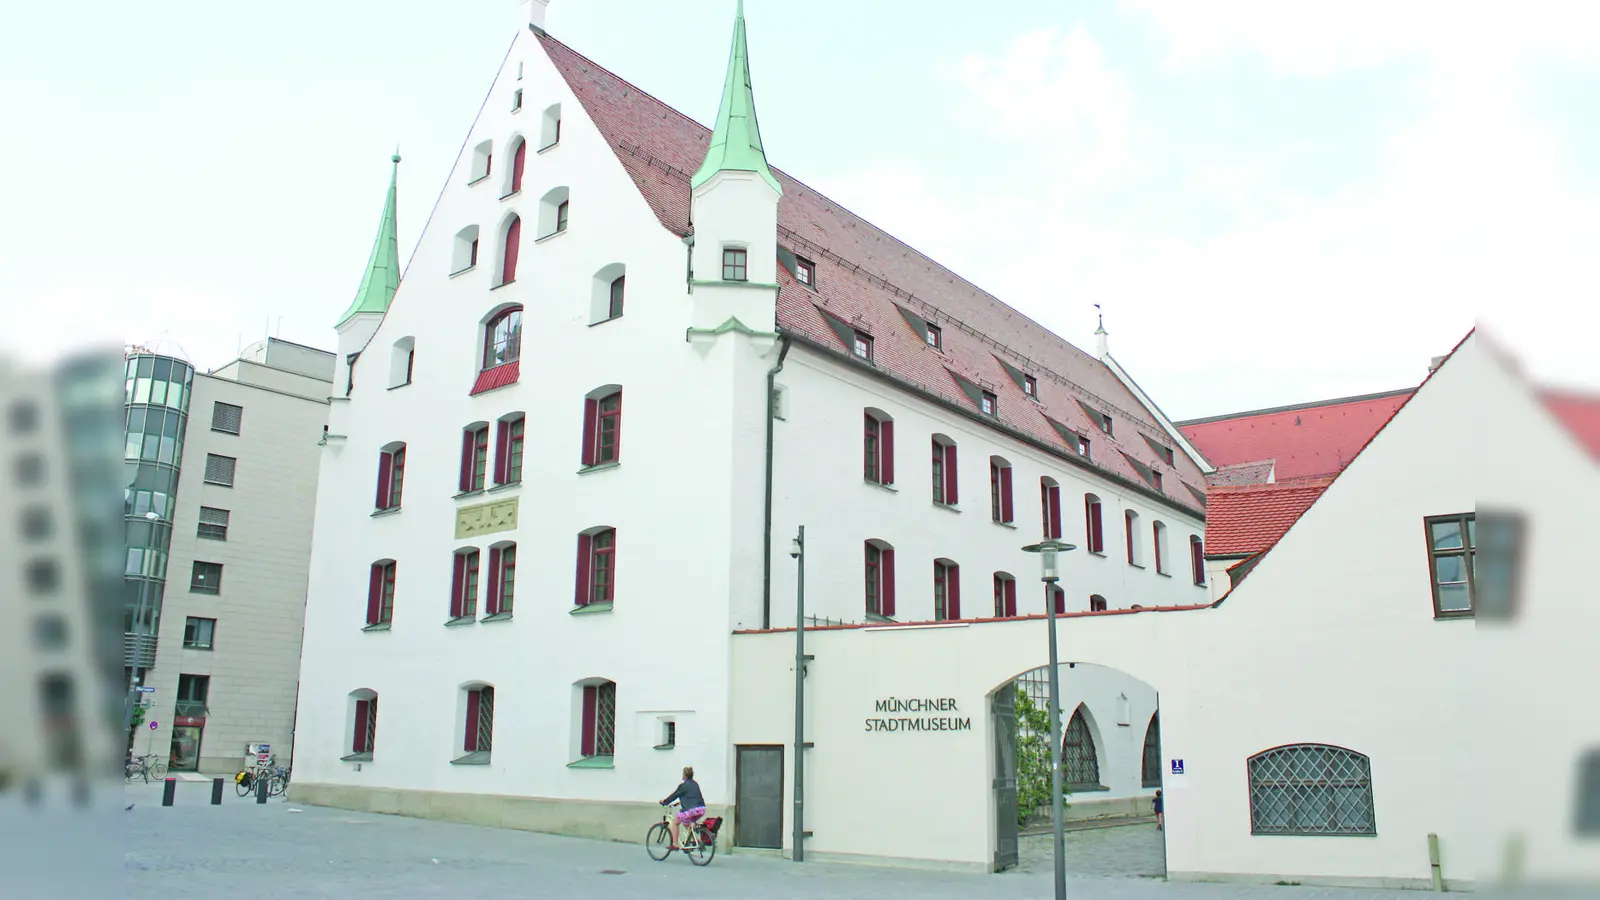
x=909, y=734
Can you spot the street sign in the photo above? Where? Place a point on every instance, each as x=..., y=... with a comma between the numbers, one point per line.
x=153, y=725
x=145, y=690
x=1177, y=767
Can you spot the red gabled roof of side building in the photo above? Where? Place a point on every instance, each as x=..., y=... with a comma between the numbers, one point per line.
x=1243, y=520
x=1304, y=441
x=865, y=277
x=1579, y=413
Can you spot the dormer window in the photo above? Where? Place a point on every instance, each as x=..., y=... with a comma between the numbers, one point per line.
x=1155, y=478
x=1105, y=423
x=989, y=404
x=1166, y=454
x=733, y=264
x=863, y=346
x=935, y=337
x=805, y=272
x=1030, y=386
x=1083, y=446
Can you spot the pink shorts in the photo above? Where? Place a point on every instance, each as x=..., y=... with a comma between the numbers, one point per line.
x=685, y=816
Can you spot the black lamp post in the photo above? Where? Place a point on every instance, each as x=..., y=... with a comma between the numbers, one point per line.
x=1050, y=574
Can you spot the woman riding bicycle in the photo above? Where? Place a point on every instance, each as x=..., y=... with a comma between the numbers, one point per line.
x=693, y=803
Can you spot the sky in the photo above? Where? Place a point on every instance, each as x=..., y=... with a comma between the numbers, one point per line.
x=1272, y=202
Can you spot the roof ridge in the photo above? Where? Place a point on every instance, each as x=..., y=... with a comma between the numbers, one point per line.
x=549, y=38
x=1312, y=404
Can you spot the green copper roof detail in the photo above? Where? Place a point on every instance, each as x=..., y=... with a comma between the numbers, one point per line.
x=736, y=142
x=382, y=277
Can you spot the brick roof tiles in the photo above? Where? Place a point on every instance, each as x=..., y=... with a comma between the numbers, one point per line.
x=1248, y=518
x=1304, y=441
x=863, y=273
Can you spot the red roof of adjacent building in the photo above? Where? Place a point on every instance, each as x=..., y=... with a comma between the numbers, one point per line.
x=1580, y=413
x=869, y=280
x=1245, y=519
x=1305, y=441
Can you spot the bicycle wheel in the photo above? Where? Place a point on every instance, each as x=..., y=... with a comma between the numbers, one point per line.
x=277, y=785
x=131, y=772
x=158, y=770
x=243, y=785
x=658, y=843
x=700, y=854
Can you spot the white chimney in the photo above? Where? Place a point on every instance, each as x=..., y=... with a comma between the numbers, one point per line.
x=533, y=11
x=1435, y=364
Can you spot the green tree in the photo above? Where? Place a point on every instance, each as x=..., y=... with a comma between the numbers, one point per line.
x=1033, y=756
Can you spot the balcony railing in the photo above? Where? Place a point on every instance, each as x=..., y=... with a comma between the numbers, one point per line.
x=138, y=650
x=190, y=708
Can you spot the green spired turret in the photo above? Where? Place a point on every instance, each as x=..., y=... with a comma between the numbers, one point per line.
x=736, y=141
x=382, y=278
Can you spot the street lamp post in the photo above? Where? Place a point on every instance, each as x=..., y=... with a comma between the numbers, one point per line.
x=1048, y=551
x=797, y=549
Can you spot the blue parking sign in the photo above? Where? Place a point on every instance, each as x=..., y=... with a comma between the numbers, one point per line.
x=1177, y=767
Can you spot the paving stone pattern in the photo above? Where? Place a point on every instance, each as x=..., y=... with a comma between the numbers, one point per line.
x=244, y=851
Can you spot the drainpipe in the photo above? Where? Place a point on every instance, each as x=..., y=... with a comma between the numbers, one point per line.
x=766, y=540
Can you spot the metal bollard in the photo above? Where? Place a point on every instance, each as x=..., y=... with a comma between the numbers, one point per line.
x=261, y=788
x=168, y=791
x=216, y=792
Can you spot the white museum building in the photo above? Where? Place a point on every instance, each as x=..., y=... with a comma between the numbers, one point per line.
x=527, y=598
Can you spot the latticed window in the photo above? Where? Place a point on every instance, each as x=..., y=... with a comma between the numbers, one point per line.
x=225, y=417
x=366, y=726
x=733, y=264
x=599, y=737
x=480, y=720
x=1080, y=766
x=1311, y=789
x=1150, y=770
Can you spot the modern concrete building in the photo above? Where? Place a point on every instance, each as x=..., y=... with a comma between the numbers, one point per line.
x=223, y=470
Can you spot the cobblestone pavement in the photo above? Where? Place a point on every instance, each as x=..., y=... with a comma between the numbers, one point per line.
x=242, y=851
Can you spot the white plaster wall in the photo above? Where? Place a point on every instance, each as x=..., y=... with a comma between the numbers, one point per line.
x=686, y=498
x=818, y=483
x=1117, y=726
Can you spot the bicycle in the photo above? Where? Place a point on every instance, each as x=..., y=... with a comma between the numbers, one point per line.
x=148, y=766
x=279, y=781
x=699, y=839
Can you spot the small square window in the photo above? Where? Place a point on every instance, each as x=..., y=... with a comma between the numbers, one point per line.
x=516, y=100
x=1155, y=478
x=805, y=272
x=43, y=576
x=989, y=404
x=1105, y=423
x=197, y=633
x=935, y=337
x=1030, y=386
x=225, y=417
x=24, y=416
x=1083, y=446
x=219, y=469
x=206, y=578
x=733, y=264
x=50, y=632
x=519, y=70
x=863, y=346
x=1166, y=454
x=213, y=524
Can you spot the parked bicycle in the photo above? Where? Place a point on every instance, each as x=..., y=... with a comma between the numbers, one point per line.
x=699, y=842
x=277, y=778
x=149, y=767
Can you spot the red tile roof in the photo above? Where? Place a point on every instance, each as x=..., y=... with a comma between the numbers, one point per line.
x=1580, y=413
x=496, y=377
x=1305, y=441
x=1246, y=519
x=863, y=274
x=1243, y=473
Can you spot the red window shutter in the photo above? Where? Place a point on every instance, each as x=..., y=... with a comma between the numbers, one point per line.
x=492, y=604
x=586, y=744
x=375, y=595
x=1155, y=538
x=585, y=552
x=502, y=451
x=385, y=471
x=950, y=474
x=952, y=592
x=508, y=272
x=468, y=446
x=1058, y=598
x=458, y=585
x=886, y=451
x=1128, y=523
x=517, y=163
x=471, y=742
x=1055, y=513
x=1005, y=494
x=591, y=413
x=886, y=572
x=1011, y=596
x=359, y=745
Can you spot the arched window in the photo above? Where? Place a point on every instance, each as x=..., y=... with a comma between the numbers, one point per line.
x=946, y=590
x=502, y=580
x=597, y=567
x=391, y=475
x=1150, y=769
x=1311, y=789
x=380, y=594
x=550, y=127
x=1005, y=595
x=597, y=719
x=1097, y=603
x=465, y=254
x=1080, y=764
x=877, y=447
x=519, y=160
x=553, y=212
x=482, y=157
x=1197, y=559
x=602, y=426
x=1130, y=521
x=363, y=724
x=1050, y=504
x=477, y=724
x=944, y=471
x=511, y=248
x=1159, y=543
x=402, y=361
x=464, y=586
x=502, y=338
x=1000, y=490
x=607, y=293
x=879, y=572
x=1094, y=536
